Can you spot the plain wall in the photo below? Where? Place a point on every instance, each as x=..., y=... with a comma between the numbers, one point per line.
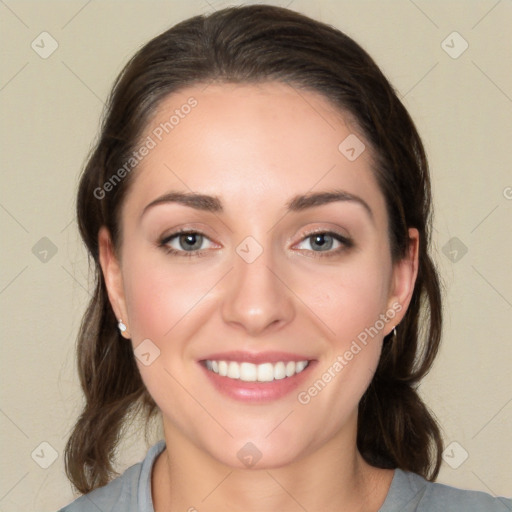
x=50, y=116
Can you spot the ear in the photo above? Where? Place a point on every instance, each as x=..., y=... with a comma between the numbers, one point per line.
x=404, y=276
x=113, y=278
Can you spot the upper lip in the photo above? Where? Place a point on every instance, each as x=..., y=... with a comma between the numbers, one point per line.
x=256, y=357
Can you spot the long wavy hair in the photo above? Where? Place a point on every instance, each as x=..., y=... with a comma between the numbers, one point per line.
x=253, y=44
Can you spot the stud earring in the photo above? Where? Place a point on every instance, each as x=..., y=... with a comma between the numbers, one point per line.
x=121, y=326
x=394, y=332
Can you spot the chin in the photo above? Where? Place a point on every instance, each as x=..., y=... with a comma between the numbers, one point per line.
x=255, y=454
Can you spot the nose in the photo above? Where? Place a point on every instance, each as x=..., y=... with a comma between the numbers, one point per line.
x=256, y=298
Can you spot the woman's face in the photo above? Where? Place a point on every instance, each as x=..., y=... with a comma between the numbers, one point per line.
x=286, y=263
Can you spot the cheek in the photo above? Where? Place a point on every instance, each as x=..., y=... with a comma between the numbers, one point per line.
x=161, y=303
x=158, y=297
x=350, y=302
x=348, y=299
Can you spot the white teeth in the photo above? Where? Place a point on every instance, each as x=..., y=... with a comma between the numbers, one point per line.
x=300, y=366
x=233, y=370
x=279, y=370
x=290, y=368
x=223, y=368
x=266, y=372
x=249, y=372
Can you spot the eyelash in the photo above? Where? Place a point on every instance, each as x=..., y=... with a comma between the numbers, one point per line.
x=346, y=243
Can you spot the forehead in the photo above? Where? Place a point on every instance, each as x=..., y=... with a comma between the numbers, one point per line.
x=252, y=145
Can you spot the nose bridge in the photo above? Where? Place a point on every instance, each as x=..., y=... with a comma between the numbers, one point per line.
x=256, y=298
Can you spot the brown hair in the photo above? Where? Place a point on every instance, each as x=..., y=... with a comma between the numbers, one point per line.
x=254, y=44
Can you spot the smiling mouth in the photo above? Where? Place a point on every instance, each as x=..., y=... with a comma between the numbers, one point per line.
x=250, y=372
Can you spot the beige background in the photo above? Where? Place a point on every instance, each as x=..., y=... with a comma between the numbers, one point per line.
x=50, y=115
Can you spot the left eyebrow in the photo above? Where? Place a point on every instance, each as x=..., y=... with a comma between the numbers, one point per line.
x=301, y=202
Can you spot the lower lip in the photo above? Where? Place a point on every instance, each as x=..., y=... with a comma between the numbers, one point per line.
x=257, y=391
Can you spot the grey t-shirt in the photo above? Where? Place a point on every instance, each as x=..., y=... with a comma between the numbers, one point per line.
x=409, y=492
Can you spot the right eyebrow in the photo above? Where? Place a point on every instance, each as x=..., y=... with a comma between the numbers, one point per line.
x=197, y=201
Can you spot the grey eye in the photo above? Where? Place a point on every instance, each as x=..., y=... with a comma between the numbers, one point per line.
x=320, y=242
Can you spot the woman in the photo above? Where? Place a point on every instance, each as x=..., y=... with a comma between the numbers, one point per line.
x=258, y=210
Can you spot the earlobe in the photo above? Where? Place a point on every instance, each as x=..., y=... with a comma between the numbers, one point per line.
x=112, y=275
x=405, y=273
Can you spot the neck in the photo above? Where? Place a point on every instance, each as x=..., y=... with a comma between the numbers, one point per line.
x=333, y=478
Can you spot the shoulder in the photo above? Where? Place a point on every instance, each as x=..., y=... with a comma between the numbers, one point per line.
x=410, y=492
x=129, y=492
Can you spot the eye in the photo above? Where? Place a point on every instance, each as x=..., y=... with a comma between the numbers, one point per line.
x=185, y=243
x=325, y=242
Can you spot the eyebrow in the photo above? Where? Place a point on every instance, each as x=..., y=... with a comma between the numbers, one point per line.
x=296, y=204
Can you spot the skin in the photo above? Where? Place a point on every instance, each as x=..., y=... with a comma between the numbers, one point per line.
x=255, y=147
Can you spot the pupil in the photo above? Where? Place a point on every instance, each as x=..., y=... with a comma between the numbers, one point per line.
x=190, y=240
x=320, y=241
